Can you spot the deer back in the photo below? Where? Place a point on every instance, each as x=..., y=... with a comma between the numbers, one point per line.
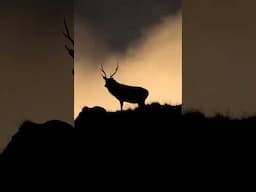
x=127, y=93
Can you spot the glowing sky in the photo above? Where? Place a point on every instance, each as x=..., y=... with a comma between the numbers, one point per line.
x=213, y=70
x=153, y=61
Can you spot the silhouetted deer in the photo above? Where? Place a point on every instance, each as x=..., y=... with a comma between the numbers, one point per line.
x=124, y=93
x=67, y=35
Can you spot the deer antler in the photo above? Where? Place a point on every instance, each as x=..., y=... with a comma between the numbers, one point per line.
x=115, y=70
x=102, y=70
x=67, y=35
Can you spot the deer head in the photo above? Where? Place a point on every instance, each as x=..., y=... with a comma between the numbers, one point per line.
x=109, y=81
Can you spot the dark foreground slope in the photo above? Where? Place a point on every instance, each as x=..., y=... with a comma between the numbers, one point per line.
x=97, y=134
x=145, y=138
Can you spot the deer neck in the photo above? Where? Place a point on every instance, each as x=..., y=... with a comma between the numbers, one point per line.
x=114, y=87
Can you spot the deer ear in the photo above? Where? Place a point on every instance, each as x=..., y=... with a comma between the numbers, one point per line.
x=105, y=78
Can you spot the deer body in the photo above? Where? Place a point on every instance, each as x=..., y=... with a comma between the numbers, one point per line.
x=125, y=93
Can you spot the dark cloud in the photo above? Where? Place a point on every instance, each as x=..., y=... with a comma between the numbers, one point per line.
x=120, y=22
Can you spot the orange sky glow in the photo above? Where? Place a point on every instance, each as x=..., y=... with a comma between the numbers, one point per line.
x=153, y=62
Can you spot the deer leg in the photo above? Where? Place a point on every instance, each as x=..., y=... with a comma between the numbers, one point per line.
x=121, y=104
